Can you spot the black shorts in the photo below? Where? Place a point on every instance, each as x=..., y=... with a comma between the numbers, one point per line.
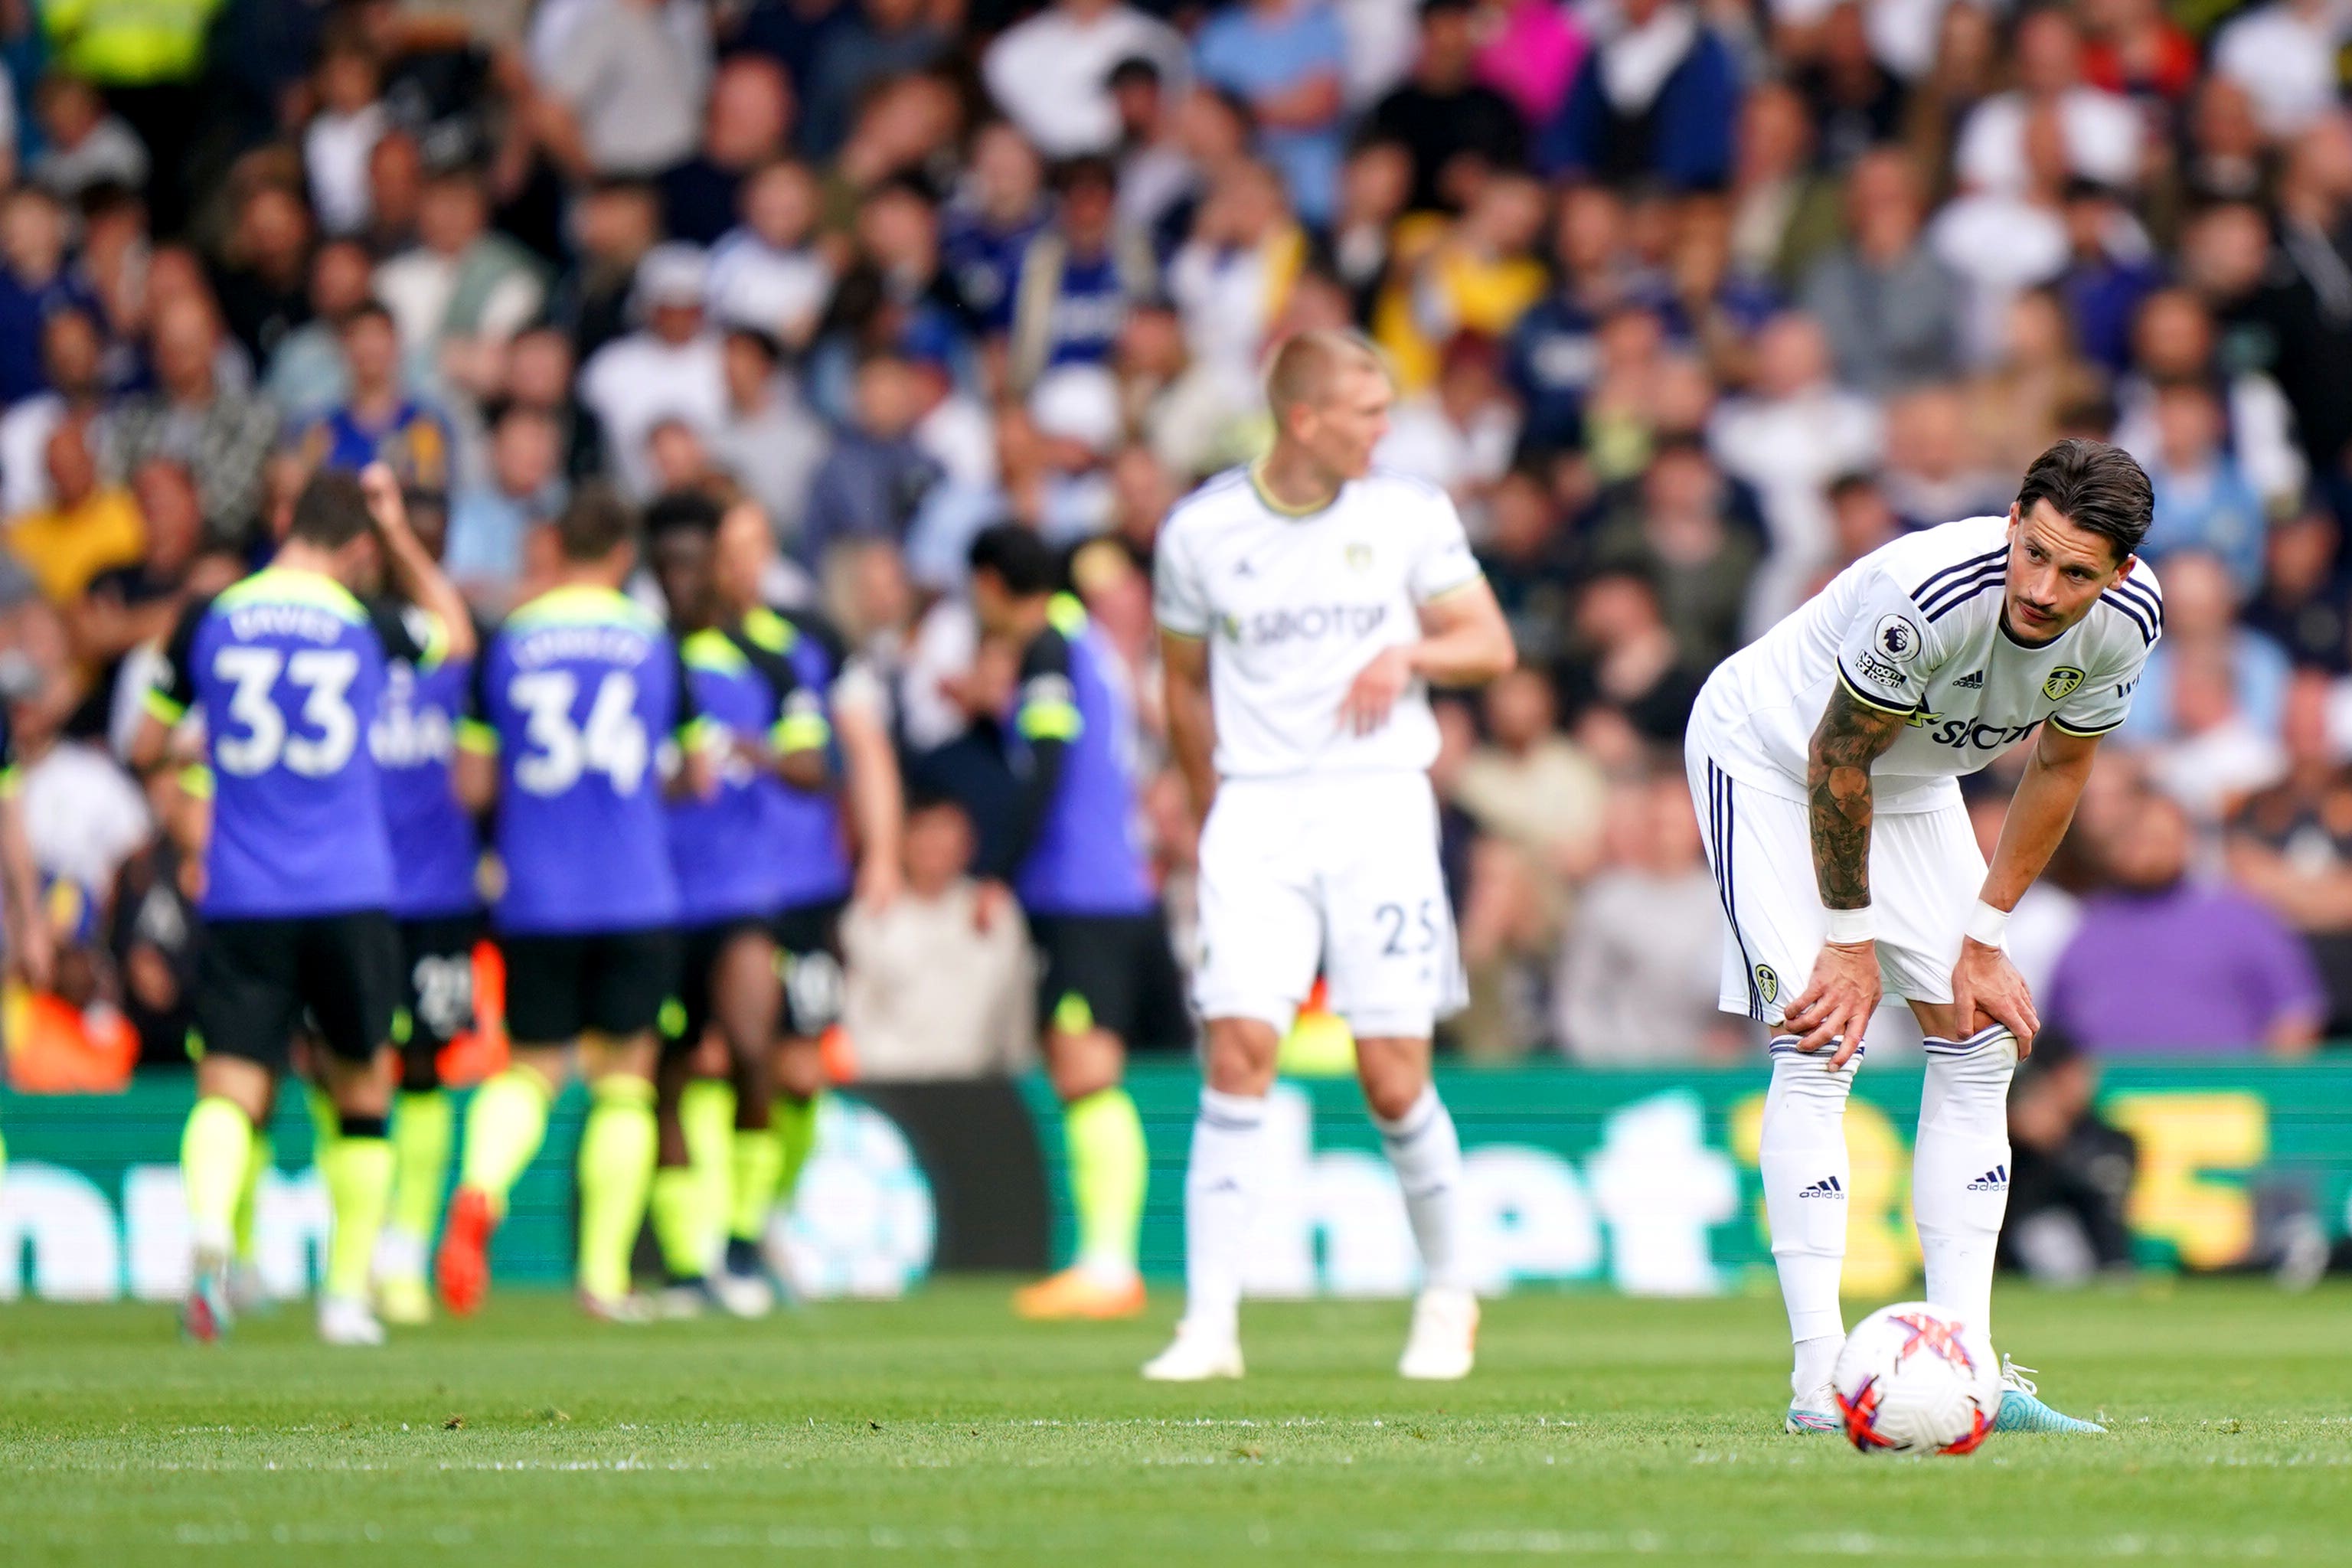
x=437, y=998
x=699, y=946
x=561, y=985
x=809, y=938
x=1111, y=972
x=256, y=978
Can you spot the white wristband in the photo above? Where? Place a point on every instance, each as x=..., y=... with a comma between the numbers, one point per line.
x=1848, y=927
x=1988, y=927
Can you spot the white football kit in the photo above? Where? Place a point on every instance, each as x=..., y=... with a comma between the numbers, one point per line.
x=1322, y=844
x=1913, y=627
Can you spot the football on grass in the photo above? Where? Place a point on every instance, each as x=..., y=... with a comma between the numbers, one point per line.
x=1914, y=1379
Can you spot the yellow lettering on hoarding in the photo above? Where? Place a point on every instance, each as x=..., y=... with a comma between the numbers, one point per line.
x=2184, y=1139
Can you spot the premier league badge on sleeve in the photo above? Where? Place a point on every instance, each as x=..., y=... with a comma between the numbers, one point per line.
x=1896, y=638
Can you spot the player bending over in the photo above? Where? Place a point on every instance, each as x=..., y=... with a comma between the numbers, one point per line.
x=731, y=857
x=1305, y=606
x=1108, y=973
x=1825, y=754
x=573, y=706
x=287, y=667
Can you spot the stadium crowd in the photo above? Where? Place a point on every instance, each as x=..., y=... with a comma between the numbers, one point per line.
x=1689, y=306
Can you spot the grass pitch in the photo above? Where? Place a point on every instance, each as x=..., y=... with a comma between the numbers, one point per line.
x=940, y=1430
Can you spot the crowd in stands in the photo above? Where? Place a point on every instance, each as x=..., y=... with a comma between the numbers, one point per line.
x=1690, y=303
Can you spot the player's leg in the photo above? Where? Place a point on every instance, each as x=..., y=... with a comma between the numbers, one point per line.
x=631, y=975
x=809, y=962
x=683, y=1222
x=507, y=1119
x=350, y=980
x=734, y=1137
x=1260, y=932
x=244, y=1004
x=246, y=1289
x=1759, y=848
x=1959, y=1166
x=1087, y=995
x=438, y=1003
x=1393, y=966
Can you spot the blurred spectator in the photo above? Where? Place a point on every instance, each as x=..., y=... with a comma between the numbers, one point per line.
x=874, y=40
x=127, y=608
x=2174, y=341
x=624, y=84
x=2200, y=628
x=1535, y=789
x=2236, y=978
x=82, y=814
x=2037, y=385
x=306, y=374
x=1235, y=274
x=1931, y=475
x=2112, y=270
x=1626, y=657
x=1075, y=278
x=1373, y=184
x=221, y=436
x=767, y=273
x=1530, y=54
x=396, y=185
x=872, y=482
x=2214, y=752
x=935, y=990
x=1474, y=275
x=461, y=291
x=991, y=221
x=1786, y=212
x=490, y=521
x=72, y=368
x=2070, y=1172
x=1555, y=353
x=1286, y=59
x=768, y=441
x=2305, y=601
x=746, y=126
x=1857, y=102
x=1889, y=309
x=342, y=134
x=86, y=528
x=2099, y=133
x=1639, y=970
x=1051, y=72
x=1457, y=129
x=672, y=367
x=2135, y=49
x=2283, y=54
x=2203, y=501
x=1794, y=432
x=1675, y=526
x=1656, y=98
x=1460, y=434
x=2002, y=239
x=2303, y=308
x=84, y=144
x=539, y=376
x=2291, y=846
x=379, y=422
x=33, y=285
x=1157, y=173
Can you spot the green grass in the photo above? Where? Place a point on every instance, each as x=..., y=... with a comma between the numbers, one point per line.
x=940, y=1430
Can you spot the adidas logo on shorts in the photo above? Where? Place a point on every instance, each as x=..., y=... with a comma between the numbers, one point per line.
x=1827, y=1187
x=1993, y=1181
x=1972, y=682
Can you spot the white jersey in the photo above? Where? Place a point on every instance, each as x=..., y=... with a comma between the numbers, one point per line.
x=1293, y=606
x=1915, y=627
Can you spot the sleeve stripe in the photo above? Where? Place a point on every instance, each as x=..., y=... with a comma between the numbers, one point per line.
x=1953, y=596
x=1472, y=581
x=800, y=732
x=1050, y=722
x=1958, y=569
x=2089, y=735
x=2135, y=617
x=164, y=708
x=1867, y=700
x=1181, y=632
x=472, y=735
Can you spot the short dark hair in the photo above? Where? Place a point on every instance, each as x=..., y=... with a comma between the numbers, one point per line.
x=687, y=509
x=1135, y=69
x=595, y=524
x=2099, y=488
x=369, y=309
x=1018, y=557
x=330, y=512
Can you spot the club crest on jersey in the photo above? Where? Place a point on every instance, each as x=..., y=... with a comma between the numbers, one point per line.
x=1768, y=982
x=1896, y=638
x=1359, y=557
x=2061, y=683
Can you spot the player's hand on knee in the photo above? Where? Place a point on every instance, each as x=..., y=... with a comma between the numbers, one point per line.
x=1986, y=985
x=1839, y=997
x=1375, y=690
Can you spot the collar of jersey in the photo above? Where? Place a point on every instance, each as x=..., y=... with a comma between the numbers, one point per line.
x=1266, y=497
x=712, y=649
x=293, y=585
x=582, y=604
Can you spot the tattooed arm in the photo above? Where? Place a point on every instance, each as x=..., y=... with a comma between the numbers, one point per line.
x=1844, y=990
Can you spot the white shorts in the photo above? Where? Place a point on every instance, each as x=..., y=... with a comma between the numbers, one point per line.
x=1925, y=873
x=1340, y=871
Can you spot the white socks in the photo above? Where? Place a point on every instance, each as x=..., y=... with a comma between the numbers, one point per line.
x=1806, y=1174
x=1960, y=1168
x=1221, y=1184
x=1426, y=1155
